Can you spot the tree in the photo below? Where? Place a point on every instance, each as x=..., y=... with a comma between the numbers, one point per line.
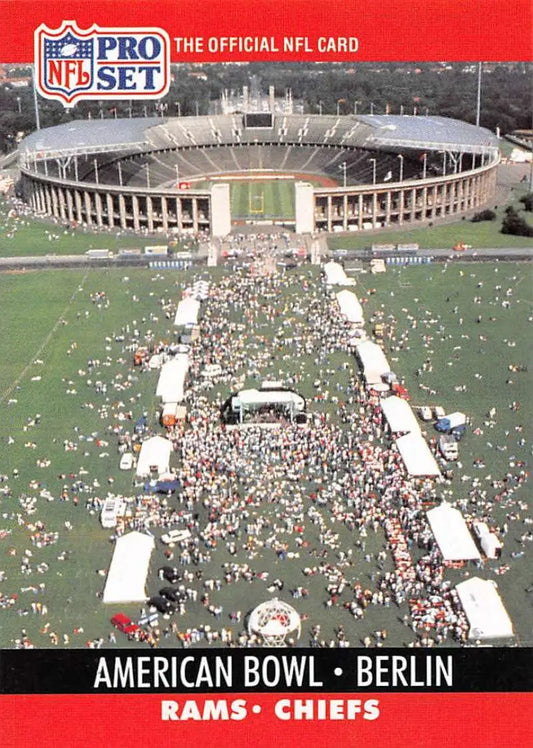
x=483, y=215
x=528, y=201
x=515, y=224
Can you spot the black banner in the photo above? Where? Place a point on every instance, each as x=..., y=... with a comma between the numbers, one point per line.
x=265, y=670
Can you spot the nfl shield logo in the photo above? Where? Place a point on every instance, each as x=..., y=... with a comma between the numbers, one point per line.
x=64, y=62
x=101, y=63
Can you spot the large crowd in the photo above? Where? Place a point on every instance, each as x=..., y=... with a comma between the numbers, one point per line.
x=263, y=496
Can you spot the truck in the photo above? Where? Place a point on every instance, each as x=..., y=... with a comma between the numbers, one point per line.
x=450, y=422
x=448, y=447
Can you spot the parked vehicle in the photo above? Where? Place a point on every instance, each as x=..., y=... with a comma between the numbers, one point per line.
x=458, y=432
x=170, y=594
x=170, y=574
x=162, y=605
x=451, y=421
x=448, y=447
x=175, y=536
x=126, y=625
x=126, y=461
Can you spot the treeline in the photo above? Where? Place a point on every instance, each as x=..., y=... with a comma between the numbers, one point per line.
x=433, y=88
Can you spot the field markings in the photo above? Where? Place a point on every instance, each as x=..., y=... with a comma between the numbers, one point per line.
x=45, y=342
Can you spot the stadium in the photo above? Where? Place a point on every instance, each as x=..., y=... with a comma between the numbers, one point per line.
x=310, y=173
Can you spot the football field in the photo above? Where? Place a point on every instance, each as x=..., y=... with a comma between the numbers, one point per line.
x=266, y=199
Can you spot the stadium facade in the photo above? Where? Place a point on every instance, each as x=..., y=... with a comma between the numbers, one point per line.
x=173, y=175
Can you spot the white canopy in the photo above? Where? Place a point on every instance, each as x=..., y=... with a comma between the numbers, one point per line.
x=491, y=544
x=170, y=386
x=187, y=312
x=335, y=275
x=350, y=307
x=484, y=609
x=126, y=578
x=417, y=456
x=399, y=415
x=155, y=452
x=249, y=398
x=373, y=361
x=452, y=534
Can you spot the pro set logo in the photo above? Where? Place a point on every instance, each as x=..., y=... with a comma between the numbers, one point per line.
x=98, y=63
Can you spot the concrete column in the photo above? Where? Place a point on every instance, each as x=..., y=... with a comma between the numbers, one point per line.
x=360, y=211
x=453, y=197
x=164, y=213
x=135, y=207
x=35, y=197
x=460, y=195
x=70, y=205
x=31, y=197
x=388, y=200
x=41, y=201
x=304, y=202
x=468, y=186
x=345, y=212
x=179, y=214
x=62, y=204
x=87, y=201
x=412, y=217
x=149, y=213
x=55, y=202
x=329, y=213
x=98, y=207
x=122, y=211
x=374, y=209
x=401, y=206
x=434, y=197
x=110, y=211
x=195, y=214
x=78, y=207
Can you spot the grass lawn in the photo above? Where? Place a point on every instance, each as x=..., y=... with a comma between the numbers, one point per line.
x=31, y=236
x=75, y=317
x=257, y=199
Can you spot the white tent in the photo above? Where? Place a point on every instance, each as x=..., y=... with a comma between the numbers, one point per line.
x=452, y=534
x=399, y=415
x=170, y=387
x=491, y=545
x=373, y=361
x=335, y=275
x=155, y=453
x=187, y=312
x=350, y=307
x=417, y=456
x=484, y=609
x=126, y=578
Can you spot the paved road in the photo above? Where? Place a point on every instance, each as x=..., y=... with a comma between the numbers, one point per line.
x=439, y=255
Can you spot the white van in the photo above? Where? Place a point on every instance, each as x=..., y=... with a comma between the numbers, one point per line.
x=112, y=508
x=448, y=447
x=175, y=536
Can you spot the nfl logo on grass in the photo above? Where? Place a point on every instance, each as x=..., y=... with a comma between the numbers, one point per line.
x=72, y=64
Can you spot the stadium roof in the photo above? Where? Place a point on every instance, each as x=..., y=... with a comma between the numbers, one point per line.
x=385, y=132
x=89, y=135
x=427, y=132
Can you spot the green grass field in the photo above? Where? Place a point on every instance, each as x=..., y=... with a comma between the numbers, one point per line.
x=257, y=199
x=30, y=236
x=51, y=340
